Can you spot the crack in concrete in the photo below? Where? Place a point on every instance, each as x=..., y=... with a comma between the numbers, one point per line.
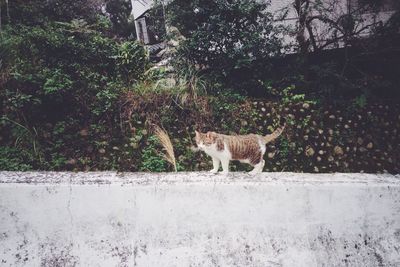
x=69, y=206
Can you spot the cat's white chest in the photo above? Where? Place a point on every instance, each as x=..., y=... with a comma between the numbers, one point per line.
x=213, y=152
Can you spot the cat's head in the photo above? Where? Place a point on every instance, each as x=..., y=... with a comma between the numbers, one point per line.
x=205, y=139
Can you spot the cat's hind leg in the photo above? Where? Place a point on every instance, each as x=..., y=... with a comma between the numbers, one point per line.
x=216, y=163
x=258, y=168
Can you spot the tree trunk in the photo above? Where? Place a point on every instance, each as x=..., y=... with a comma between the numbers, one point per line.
x=301, y=7
x=0, y=18
x=8, y=12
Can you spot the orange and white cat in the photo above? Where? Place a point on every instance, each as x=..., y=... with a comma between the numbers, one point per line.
x=244, y=148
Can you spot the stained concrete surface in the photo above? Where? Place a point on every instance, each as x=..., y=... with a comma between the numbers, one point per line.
x=199, y=219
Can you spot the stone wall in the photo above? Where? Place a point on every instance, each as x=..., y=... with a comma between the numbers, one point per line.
x=199, y=219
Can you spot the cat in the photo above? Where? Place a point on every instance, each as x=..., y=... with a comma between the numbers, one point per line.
x=245, y=148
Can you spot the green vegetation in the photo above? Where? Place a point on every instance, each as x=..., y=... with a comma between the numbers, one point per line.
x=234, y=41
x=151, y=159
x=13, y=159
x=79, y=93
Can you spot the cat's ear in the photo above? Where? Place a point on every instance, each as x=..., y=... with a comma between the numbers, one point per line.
x=197, y=133
x=211, y=135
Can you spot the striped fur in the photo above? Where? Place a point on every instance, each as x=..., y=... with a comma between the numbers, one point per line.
x=270, y=137
x=245, y=148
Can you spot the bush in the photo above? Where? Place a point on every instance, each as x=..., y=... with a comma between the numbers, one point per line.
x=62, y=73
x=12, y=159
x=234, y=40
x=67, y=64
x=132, y=60
x=151, y=160
x=33, y=12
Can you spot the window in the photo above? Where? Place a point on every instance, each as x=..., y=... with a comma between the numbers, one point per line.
x=140, y=28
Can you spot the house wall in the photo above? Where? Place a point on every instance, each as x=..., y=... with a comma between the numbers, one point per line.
x=141, y=30
x=323, y=31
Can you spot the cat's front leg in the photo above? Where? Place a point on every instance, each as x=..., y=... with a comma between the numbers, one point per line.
x=225, y=166
x=216, y=162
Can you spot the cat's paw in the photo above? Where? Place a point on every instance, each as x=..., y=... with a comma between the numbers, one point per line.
x=224, y=172
x=213, y=171
x=255, y=172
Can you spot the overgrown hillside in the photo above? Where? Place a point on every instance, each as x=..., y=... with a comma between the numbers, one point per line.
x=79, y=93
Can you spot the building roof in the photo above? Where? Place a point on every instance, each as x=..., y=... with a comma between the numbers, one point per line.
x=140, y=6
x=143, y=14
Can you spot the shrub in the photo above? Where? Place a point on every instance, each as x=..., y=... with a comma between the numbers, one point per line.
x=58, y=72
x=12, y=159
x=33, y=12
x=235, y=40
x=151, y=160
x=132, y=60
x=68, y=64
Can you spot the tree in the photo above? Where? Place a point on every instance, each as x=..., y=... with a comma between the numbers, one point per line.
x=120, y=16
x=333, y=23
x=155, y=21
x=339, y=43
x=26, y=11
x=232, y=38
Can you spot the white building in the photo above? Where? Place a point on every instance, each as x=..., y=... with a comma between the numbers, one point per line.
x=140, y=6
x=139, y=10
x=323, y=32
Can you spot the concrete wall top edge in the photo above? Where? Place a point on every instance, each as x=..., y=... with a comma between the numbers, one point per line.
x=193, y=177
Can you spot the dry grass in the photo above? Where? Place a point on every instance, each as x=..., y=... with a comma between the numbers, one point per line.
x=167, y=144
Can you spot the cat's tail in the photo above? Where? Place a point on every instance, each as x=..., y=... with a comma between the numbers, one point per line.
x=278, y=131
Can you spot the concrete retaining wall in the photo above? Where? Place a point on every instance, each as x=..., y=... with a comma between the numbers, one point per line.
x=198, y=219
